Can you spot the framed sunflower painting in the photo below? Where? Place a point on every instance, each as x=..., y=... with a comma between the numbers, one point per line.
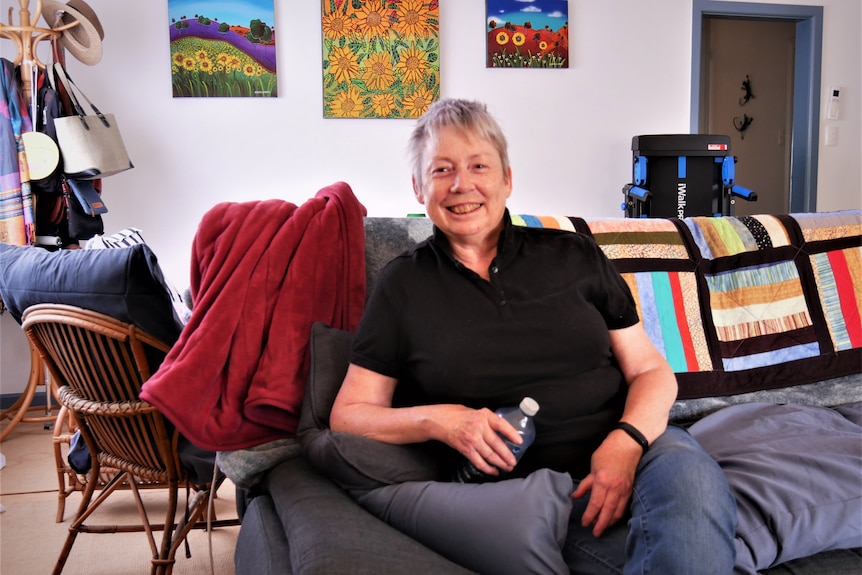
x=222, y=49
x=528, y=33
x=381, y=58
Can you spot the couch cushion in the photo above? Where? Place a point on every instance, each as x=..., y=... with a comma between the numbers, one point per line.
x=837, y=562
x=126, y=284
x=261, y=546
x=356, y=463
x=794, y=471
x=386, y=238
x=513, y=526
x=330, y=534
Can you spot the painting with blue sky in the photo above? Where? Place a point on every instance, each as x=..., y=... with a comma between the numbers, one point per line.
x=527, y=33
x=236, y=12
x=222, y=48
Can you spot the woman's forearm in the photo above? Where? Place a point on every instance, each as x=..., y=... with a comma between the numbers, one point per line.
x=650, y=397
x=387, y=424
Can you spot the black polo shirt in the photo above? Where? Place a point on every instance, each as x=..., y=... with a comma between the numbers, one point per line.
x=538, y=328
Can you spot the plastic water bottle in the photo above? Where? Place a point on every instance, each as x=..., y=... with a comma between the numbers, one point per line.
x=521, y=418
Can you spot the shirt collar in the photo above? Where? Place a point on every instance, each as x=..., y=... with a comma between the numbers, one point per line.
x=505, y=245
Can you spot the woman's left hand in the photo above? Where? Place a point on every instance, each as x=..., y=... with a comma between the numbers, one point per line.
x=610, y=481
x=652, y=391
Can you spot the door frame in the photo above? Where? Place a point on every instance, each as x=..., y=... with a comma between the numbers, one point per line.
x=806, y=84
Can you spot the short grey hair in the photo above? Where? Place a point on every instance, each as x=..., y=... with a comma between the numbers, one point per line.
x=468, y=116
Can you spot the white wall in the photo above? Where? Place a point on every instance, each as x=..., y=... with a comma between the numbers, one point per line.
x=569, y=130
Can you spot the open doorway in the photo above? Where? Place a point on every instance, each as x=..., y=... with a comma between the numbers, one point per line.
x=725, y=41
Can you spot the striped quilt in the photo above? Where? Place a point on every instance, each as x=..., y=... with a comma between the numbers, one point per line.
x=739, y=304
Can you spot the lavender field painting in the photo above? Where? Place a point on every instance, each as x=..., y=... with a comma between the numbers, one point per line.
x=222, y=49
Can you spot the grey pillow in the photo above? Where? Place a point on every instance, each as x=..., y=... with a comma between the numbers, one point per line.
x=329, y=353
x=514, y=526
x=794, y=471
x=355, y=463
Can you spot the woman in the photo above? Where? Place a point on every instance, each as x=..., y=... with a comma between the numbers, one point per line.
x=484, y=313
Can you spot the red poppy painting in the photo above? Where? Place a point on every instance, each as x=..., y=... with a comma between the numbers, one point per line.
x=527, y=33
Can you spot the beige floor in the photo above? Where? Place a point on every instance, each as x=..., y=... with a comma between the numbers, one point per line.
x=30, y=539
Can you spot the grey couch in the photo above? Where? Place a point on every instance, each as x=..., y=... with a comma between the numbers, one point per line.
x=299, y=520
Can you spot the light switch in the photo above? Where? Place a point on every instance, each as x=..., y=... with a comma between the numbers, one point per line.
x=831, y=135
x=833, y=107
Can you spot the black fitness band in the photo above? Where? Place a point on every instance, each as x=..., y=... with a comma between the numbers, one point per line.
x=633, y=432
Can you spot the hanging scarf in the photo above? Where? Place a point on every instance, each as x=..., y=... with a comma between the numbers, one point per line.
x=16, y=201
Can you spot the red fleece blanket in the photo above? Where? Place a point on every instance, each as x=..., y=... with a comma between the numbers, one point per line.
x=262, y=274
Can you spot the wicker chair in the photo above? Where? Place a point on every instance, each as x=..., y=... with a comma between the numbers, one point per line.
x=100, y=364
x=70, y=481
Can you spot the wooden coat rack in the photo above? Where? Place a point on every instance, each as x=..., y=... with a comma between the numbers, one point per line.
x=26, y=36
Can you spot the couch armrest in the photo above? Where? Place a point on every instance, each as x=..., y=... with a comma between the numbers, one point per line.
x=261, y=547
x=330, y=534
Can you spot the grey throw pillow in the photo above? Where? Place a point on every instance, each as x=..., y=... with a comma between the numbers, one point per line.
x=794, y=471
x=514, y=526
x=329, y=353
x=356, y=463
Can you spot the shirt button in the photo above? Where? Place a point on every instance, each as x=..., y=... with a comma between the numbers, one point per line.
x=502, y=302
x=495, y=269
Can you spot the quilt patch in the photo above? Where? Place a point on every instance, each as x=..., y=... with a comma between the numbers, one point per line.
x=728, y=236
x=667, y=303
x=552, y=222
x=839, y=285
x=820, y=227
x=761, y=316
x=639, y=239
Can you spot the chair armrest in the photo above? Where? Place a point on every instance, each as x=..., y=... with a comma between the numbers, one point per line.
x=78, y=404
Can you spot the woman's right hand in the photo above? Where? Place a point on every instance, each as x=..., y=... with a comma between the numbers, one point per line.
x=475, y=433
x=364, y=407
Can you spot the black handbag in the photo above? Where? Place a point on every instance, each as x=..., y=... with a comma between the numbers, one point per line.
x=48, y=109
x=84, y=222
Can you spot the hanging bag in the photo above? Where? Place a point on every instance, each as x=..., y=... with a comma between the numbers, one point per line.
x=91, y=146
x=87, y=196
x=49, y=107
x=84, y=222
x=43, y=153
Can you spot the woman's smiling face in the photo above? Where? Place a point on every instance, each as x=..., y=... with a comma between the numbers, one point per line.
x=464, y=187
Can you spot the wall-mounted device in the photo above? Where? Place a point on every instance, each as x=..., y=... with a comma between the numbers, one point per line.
x=833, y=106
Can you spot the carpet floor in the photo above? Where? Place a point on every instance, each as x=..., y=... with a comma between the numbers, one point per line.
x=31, y=539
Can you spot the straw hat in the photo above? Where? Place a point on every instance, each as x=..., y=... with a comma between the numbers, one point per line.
x=83, y=41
